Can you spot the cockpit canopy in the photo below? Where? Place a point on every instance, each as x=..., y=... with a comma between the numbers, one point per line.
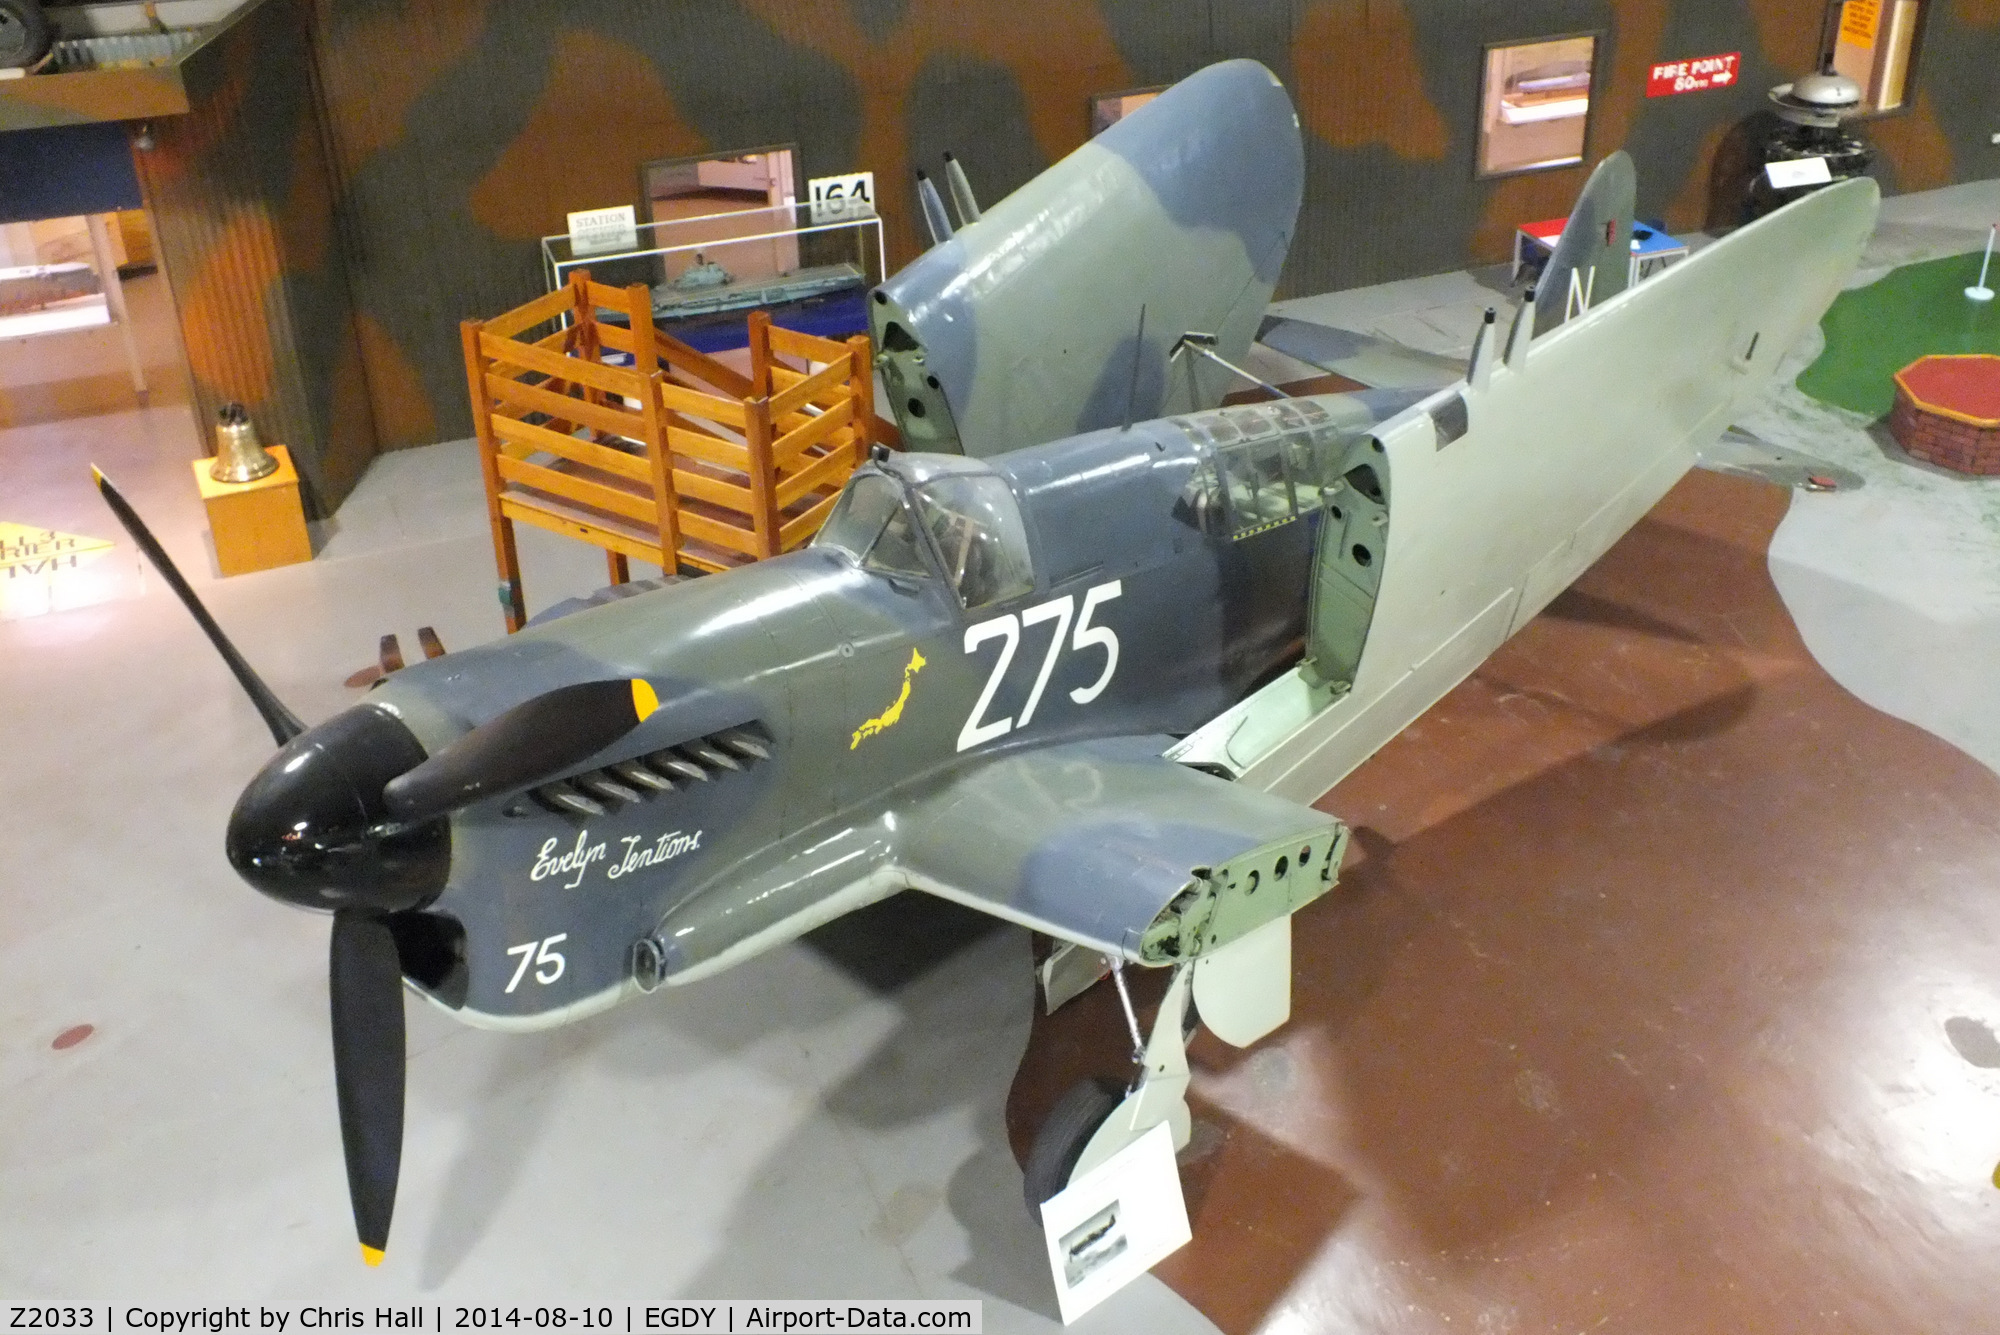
x=965, y=525
x=1266, y=464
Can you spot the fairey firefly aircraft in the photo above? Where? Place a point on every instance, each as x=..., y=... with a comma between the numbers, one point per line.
x=1086, y=687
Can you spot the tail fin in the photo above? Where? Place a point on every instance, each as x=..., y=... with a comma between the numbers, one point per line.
x=1593, y=257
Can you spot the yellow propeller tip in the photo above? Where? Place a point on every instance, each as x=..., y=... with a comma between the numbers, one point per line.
x=644, y=699
x=372, y=1255
x=97, y=475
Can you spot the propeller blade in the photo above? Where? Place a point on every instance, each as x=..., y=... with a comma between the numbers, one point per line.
x=282, y=722
x=531, y=741
x=365, y=982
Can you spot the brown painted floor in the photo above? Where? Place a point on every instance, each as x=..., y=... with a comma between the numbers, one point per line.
x=1656, y=996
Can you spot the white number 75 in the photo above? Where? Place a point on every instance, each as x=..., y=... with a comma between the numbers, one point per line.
x=547, y=960
x=1008, y=629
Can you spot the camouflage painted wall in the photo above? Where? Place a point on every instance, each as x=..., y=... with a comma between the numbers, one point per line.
x=243, y=208
x=462, y=130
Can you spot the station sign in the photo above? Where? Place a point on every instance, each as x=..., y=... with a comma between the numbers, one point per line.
x=1693, y=76
x=603, y=231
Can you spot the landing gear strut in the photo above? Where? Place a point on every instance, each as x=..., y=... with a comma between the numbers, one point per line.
x=1093, y=1120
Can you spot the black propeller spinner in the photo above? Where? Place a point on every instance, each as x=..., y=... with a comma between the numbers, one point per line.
x=348, y=816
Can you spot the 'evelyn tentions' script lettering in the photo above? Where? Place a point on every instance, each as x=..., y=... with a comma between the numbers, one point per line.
x=577, y=861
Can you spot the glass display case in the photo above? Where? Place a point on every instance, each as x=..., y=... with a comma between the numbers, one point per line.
x=810, y=266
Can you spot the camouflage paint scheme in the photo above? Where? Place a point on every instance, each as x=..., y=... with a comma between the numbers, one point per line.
x=1024, y=327
x=1086, y=687
x=416, y=201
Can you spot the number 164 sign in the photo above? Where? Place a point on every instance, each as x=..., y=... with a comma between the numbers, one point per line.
x=837, y=198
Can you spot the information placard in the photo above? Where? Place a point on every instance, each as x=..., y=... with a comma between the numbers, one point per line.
x=1115, y=1222
x=603, y=231
x=1859, y=21
x=1797, y=172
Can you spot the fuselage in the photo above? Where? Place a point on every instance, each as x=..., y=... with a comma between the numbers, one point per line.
x=1149, y=606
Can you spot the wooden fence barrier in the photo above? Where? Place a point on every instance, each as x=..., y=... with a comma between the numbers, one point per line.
x=676, y=459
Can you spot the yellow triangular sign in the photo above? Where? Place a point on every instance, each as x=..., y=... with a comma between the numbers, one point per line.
x=31, y=545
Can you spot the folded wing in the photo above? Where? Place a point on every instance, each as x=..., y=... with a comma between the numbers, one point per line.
x=1109, y=845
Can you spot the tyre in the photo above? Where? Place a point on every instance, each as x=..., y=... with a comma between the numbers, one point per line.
x=24, y=33
x=1067, y=1129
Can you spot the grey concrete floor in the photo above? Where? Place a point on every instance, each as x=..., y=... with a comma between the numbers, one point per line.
x=1896, y=586
x=825, y=1121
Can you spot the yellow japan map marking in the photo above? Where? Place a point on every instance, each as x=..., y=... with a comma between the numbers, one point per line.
x=888, y=717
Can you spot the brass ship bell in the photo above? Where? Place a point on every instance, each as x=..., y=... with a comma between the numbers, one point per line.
x=239, y=455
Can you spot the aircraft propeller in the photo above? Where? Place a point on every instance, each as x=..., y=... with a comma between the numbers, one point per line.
x=347, y=817
x=365, y=978
x=283, y=723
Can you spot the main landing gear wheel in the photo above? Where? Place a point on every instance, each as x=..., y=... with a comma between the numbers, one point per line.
x=1059, y=1144
x=24, y=33
x=1096, y=1119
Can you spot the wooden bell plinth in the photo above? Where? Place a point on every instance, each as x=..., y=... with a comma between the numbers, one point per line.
x=257, y=525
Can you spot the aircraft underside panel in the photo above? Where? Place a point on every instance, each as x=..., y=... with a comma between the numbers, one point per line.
x=1564, y=446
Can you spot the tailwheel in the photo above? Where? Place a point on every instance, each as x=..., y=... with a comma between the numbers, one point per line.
x=1069, y=1127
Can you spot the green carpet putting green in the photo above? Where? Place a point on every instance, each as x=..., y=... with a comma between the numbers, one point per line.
x=1875, y=331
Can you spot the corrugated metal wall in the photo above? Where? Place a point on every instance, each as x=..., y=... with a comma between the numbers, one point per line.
x=462, y=130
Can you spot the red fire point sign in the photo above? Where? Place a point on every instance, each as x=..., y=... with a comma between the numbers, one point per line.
x=1693, y=76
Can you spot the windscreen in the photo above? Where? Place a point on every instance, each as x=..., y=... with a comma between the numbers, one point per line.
x=872, y=524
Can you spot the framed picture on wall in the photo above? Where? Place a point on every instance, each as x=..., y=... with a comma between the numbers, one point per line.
x=1534, y=104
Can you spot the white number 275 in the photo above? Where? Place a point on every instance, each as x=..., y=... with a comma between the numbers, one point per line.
x=1007, y=629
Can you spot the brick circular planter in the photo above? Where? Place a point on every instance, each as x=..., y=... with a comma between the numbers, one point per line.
x=1948, y=412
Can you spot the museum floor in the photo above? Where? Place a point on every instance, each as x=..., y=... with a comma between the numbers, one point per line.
x=1660, y=994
